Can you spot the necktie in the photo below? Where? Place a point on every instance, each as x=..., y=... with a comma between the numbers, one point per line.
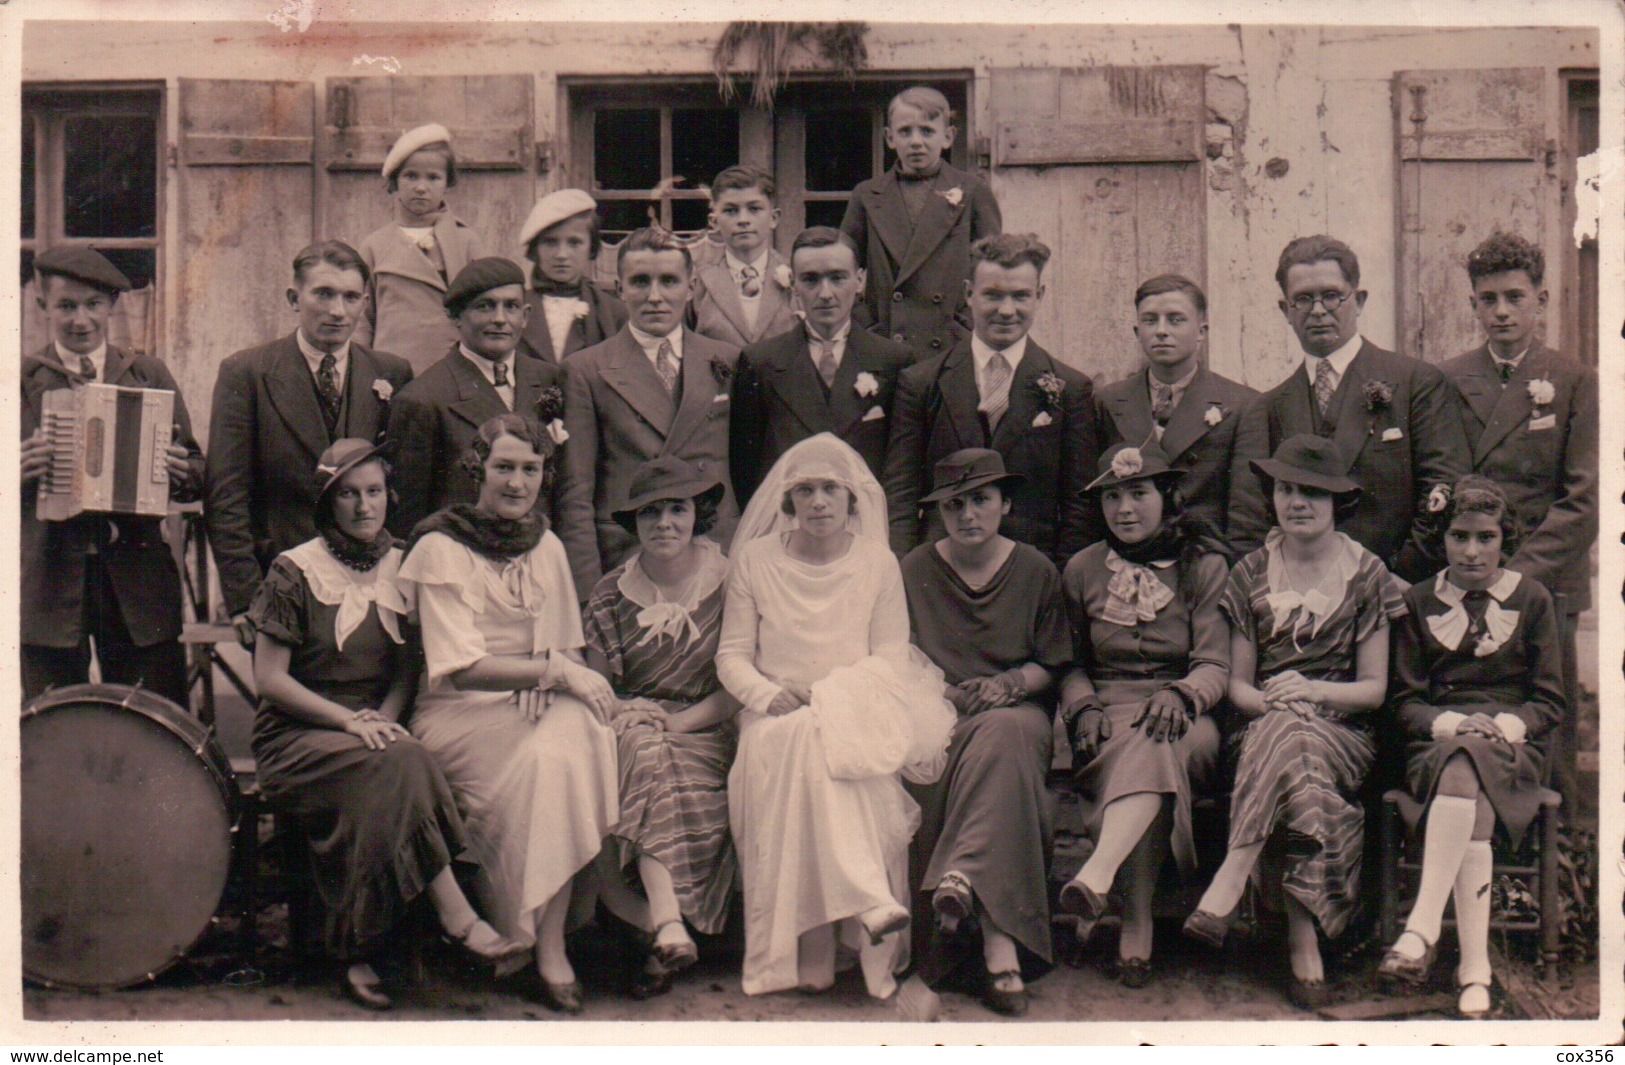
x=1162, y=403
x=826, y=361
x=87, y=368
x=666, y=366
x=1325, y=385
x=996, y=390
x=499, y=370
x=1506, y=369
x=327, y=390
x=750, y=284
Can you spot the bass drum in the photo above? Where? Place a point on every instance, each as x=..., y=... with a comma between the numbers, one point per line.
x=129, y=809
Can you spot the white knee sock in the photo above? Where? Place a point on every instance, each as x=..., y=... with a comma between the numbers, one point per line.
x=1473, y=913
x=1449, y=830
x=1121, y=826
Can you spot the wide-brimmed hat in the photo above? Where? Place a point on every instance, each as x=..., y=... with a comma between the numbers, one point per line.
x=967, y=470
x=340, y=458
x=411, y=141
x=552, y=209
x=1308, y=460
x=1125, y=462
x=667, y=477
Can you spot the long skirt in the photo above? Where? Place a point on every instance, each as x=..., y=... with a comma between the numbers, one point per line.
x=380, y=825
x=1295, y=791
x=1130, y=763
x=1508, y=775
x=813, y=851
x=674, y=808
x=538, y=798
x=990, y=817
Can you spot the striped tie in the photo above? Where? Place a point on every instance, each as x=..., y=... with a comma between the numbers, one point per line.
x=666, y=366
x=996, y=390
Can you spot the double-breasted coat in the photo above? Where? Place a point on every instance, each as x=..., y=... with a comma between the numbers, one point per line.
x=407, y=313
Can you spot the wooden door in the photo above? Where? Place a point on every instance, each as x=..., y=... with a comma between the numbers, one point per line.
x=1105, y=165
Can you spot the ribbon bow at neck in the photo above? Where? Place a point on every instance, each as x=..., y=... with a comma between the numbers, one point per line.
x=1307, y=610
x=1454, y=624
x=661, y=620
x=1134, y=594
x=423, y=238
x=333, y=584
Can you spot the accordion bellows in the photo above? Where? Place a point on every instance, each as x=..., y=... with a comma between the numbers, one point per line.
x=108, y=451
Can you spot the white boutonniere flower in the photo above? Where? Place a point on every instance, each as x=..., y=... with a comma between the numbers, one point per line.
x=866, y=385
x=1541, y=392
x=383, y=390
x=556, y=432
x=578, y=308
x=954, y=195
x=1214, y=414
x=782, y=275
x=1438, y=499
x=1042, y=420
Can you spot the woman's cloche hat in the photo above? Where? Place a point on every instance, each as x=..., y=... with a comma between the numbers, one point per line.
x=967, y=470
x=667, y=477
x=340, y=458
x=1308, y=460
x=1125, y=462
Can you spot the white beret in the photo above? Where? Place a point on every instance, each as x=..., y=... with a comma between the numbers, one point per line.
x=552, y=209
x=411, y=141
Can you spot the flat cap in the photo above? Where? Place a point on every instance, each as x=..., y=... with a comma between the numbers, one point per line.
x=552, y=209
x=82, y=264
x=479, y=276
x=411, y=141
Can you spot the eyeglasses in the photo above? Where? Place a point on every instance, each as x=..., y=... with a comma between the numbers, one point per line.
x=1305, y=302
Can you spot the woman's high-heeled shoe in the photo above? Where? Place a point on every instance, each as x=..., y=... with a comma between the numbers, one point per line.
x=485, y=945
x=560, y=998
x=367, y=993
x=1209, y=928
x=674, y=957
x=881, y=921
x=1414, y=971
x=1474, y=1003
x=952, y=901
x=1085, y=903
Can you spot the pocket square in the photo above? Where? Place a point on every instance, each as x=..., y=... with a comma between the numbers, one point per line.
x=721, y=397
x=1042, y=420
x=1545, y=421
x=1393, y=432
x=875, y=413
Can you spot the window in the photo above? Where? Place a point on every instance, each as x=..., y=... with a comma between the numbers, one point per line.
x=1579, y=300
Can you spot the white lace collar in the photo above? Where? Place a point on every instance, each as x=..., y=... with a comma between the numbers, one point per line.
x=1450, y=627
x=335, y=584
x=661, y=617
x=1313, y=607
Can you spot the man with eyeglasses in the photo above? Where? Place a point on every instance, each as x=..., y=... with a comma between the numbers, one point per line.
x=1396, y=419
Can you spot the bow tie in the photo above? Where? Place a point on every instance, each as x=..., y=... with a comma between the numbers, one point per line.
x=548, y=287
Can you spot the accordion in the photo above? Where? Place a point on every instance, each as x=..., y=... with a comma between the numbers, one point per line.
x=108, y=451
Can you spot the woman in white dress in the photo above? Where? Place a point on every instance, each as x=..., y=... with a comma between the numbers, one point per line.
x=516, y=721
x=815, y=646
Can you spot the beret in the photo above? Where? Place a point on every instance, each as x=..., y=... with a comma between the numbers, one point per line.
x=552, y=209
x=411, y=141
x=479, y=276
x=82, y=264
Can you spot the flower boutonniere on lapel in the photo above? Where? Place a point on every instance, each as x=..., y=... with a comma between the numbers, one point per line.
x=723, y=374
x=866, y=385
x=1213, y=415
x=1379, y=396
x=1541, y=392
x=577, y=307
x=1052, y=388
x=954, y=195
x=782, y=276
x=550, y=414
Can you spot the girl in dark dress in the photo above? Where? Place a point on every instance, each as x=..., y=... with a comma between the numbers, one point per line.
x=987, y=610
x=335, y=672
x=1479, y=687
x=1152, y=659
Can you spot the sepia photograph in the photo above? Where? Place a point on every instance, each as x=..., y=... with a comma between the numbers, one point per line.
x=1092, y=529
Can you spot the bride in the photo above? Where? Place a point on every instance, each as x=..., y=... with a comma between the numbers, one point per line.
x=815, y=646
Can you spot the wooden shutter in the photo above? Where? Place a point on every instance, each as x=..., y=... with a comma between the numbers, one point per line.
x=1105, y=165
x=1475, y=155
x=492, y=125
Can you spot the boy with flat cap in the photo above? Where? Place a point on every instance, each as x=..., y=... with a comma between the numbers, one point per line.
x=102, y=577
x=433, y=420
x=567, y=310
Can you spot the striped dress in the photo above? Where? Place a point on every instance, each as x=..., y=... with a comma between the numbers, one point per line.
x=674, y=787
x=1297, y=778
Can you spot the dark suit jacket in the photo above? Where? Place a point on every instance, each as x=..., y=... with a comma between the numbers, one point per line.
x=1549, y=473
x=780, y=401
x=1218, y=484
x=1397, y=453
x=265, y=434
x=620, y=416
x=916, y=270
x=432, y=424
x=139, y=563
x=935, y=415
x=605, y=316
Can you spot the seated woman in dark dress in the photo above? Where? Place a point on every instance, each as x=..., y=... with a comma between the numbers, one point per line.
x=334, y=673
x=652, y=626
x=1478, y=679
x=988, y=611
x=1152, y=659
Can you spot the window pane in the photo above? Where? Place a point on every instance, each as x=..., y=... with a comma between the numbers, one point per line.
x=138, y=264
x=623, y=216
x=110, y=178
x=825, y=212
x=626, y=149
x=28, y=176
x=840, y=145
x=703, y=144
x=690, y=216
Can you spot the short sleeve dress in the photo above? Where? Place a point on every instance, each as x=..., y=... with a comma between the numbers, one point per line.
x=673, y=786
x=382, y=824
x=1297, y=778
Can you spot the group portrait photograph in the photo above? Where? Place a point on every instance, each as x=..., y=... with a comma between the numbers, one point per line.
x=957, y=527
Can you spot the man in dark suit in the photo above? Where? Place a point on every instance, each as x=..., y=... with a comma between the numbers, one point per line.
x=998, y=389
x=655, y=388
x=434, y=419
x=277, y=407
x=1192, y=412
x=1531, y=418
x=820, y=377
x=102, y=576
x=567, y=311
x=1396, y=419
